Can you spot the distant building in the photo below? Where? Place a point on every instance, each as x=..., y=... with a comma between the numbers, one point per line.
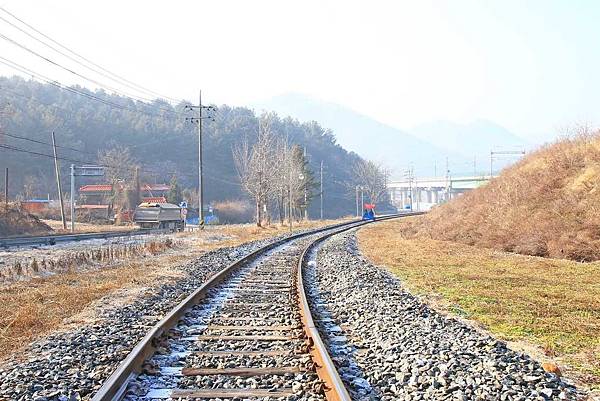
x=97, y=198
x=35, y=206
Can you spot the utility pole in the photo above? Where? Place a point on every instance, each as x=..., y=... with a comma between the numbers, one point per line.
x=321, y=191
x=447, y=180
x=290, y=213
x=6, y=187
x=305, y=193
x=58, y=185
x=410, y=190
x=362, y=198
x=357, y=209
x=198, y=120
x=200, y=182
x=72, y=198
x=417, y=194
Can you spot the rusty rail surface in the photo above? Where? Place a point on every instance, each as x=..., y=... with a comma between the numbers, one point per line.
x=115, y=386
x=56, y=238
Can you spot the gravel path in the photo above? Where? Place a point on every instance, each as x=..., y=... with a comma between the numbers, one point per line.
x=391, y=346
x=72, y=365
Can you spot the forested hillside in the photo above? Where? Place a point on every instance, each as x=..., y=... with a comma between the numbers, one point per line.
x=158, y=137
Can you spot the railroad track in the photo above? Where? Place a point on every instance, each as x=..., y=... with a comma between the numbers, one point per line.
x=54, y=239
x=246, y=333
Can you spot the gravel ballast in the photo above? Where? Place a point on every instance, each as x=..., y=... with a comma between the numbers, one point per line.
x=73, y=364
x=389, y=345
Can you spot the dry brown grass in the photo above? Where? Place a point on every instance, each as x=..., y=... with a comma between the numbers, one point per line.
x=32, y=309
x=86, y=227
x=548, y=204
x=549, y=303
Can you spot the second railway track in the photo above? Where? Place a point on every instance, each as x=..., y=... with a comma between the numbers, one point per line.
x=247, y=333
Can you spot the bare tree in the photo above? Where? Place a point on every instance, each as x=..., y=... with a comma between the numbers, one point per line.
x=257, y=165
x=294, y=182
x=120, y=171
x=372, y=178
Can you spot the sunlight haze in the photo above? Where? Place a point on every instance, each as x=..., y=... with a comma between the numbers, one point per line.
x=530, y=67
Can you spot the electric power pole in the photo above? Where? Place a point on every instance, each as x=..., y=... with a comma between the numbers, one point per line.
x=6, y=187
x=357, y=215
x=72, y=198
x=362, y=198
x=58, y=185
x=198, y=120
x=321, y=191
x=200, y=182
x=290, y=212
x=448, y=195
x=305, y=193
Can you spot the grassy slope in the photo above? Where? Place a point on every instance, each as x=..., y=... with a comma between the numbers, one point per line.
x=551, y=304
x=548, y=204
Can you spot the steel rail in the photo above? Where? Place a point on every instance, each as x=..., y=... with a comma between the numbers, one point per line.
x=115, y=386
x=334, y=388
x=54, y=239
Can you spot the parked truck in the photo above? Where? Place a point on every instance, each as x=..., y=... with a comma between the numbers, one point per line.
x=159, y=216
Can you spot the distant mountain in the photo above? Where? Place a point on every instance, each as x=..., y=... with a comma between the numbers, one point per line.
x=475, y=138
x=363, y=135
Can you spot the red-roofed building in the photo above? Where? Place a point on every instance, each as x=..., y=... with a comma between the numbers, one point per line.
x=155, y=199
x=95, y=189
x=155, y=188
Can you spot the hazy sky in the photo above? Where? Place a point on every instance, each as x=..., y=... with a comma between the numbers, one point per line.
x=532, y=66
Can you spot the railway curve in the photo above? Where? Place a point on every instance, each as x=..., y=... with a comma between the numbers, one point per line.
x=246, y=332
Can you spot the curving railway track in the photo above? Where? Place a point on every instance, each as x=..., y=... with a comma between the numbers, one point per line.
x=247, y=333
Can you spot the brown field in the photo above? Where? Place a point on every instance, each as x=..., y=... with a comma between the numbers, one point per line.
x=551, y=307
x=32, y=309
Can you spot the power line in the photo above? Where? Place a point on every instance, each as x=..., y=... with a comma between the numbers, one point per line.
x=69, y=112
x=120, y=79
x=134, y=146
x=68, y=56
x=50, y=81
x=44, y=143
x=17, y=149
x=104, y=86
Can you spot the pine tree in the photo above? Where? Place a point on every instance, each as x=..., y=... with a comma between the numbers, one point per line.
x=175, y=194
